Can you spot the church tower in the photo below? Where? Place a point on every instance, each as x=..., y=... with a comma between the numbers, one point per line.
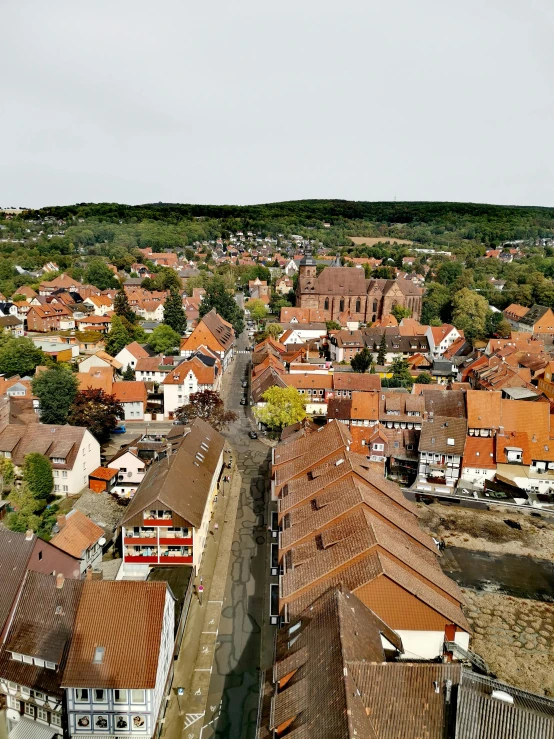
x=306, y=294
x=307, y=266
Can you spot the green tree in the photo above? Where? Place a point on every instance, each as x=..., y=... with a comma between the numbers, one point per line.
x=206, y=405
x=119, y=336
x=19, y=356
x=7, y=474
x=129, y=373
x=37, y=473
x=497, y=325
x=219, y=297
x=424, y=378
x=400, y=312
x=401, y=376
x=174, y=315
x=257, y=308
x=361, y=362
x=382, y=352
x=273, y=330
x=167, y=279
x=121, y=306
x=436, y=303
x=164, y=340
x=283, y=407
x=469, y=313
x=25, y=509
x=100, y=275
x=56, y=389
x=97, y=411
x=332, y=325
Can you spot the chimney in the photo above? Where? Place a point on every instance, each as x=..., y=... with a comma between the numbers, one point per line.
x=59, y=580
x=29, y=534
x=97, y=575
x=61, y=521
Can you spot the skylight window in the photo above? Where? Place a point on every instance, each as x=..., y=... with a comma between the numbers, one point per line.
x=98, y=655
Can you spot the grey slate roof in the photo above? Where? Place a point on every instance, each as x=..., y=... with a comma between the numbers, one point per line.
x=15, y=552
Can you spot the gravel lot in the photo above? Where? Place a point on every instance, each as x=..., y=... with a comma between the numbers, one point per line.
x=487, y=531
x=515, y=637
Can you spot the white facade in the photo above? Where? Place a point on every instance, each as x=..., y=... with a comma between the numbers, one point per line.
x=477, y=476
x=177, y=395
x=126, y=358
x=437, y=350
x=151, y=313
x=93, y=361
x=152, y=375
x=71, y=482
x=134, y=410
x=131, y=473
x=45, y=709
x=94, y=712
x=300, y=335
x=428, y=644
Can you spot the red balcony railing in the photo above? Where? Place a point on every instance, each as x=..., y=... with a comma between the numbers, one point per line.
x=136, y=558
x=141, y=541
x=176, y=541
x=176, y=560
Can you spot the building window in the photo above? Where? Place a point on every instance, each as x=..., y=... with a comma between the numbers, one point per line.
x=341, y=305
x=64, y=473
x=13, y=703
x=55, y=719
x=81, y=695
x=29, y=710
x=326, y=304
x=42, y=715
x=120, y=696
x=358, y=305
x=137, y=696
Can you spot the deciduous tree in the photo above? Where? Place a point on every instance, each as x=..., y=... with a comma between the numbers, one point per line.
x=400, y=312
x=257, y=308
x=361, y=362
x=219, y=297
x=470, y=313
x=283, y=407
x=206, y=405
x=164, y=340
x=19, y=356
x=56, y=389
x=25, y=509
x=121, y=306
x=119, y=336
x=97, y=411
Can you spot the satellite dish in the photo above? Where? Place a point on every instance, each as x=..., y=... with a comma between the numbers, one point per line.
x=102, y=541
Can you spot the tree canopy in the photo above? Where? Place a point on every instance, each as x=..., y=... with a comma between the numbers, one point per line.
x=97, y=411
x=174, y=314
x=37, y=473
x=209, y=406
x=218, y=296
x=283, y=407
x=361, y=361
x=164, y=340
x=19, y=356
x=56, y=389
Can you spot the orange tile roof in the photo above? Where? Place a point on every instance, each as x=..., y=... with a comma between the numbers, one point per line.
x=479, y=452
x=204, y=375
x=309, y=380
x=130, y=391
x=99, y=378
x=104, y=473
x=365, y=406
x=77, y=535
x=483, y=409
x=137, y=350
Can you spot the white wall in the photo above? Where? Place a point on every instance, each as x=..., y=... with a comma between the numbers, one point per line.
x=427, y=644
x=134, y=410
x=200, y=535
x=126, y=359
x=477, y=476
x=87, y=460
x=92, y=361
x=132, y=476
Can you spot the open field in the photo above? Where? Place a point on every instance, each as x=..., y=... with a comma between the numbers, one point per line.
x=372, y=240
x=488, y=531
x=515, y=637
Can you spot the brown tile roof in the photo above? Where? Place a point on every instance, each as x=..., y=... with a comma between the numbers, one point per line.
x=222, y=330
x=339, y=408
x=483, y=409
x=130, y=391
x=163, y=482
x=52, y=441
x=77, y=535
x=151, y=364
x=437, y=431
x=205, y=375
x=446, y=403
x=305, y=380
x=356, y=381
x=126, y=619
x=15, y=552
x=98, y=378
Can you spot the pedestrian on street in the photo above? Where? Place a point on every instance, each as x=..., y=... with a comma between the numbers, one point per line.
x=216, y=527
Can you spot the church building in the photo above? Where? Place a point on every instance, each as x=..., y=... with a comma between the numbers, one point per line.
x=345, y=292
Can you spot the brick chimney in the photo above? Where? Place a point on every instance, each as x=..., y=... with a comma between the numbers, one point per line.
x=29, y=534
x=60, y=580
x=61, y=521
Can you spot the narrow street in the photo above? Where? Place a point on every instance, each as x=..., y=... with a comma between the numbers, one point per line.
x=234, y=688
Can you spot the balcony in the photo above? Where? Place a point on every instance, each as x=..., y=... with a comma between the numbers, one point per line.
x=171, y=559
x=143, y=560
x=141, y=540
x=158, y=521
x=185, y=541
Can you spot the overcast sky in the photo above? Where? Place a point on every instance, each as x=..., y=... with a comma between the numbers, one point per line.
x=249, y=101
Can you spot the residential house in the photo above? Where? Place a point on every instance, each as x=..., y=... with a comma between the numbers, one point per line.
x=194, y=375
x=479, y=461
x=344, y=345
x=19, y=554
x=120, y=662
x=34, y=652
x=130, y=470
x=72, y=451
x=51, y=317
x=539, y=320
x=99, y=305
x=514, y=313
x=98, y=378
x=167, y=522
x=62, y=282
x=441, y=449
x=259, y=290
x=80, y=537
x=284, y=285
x=133, y=396
x=130, y=354
x=154, y=369
x=216, y=334
x=102, y=324
x=100, y=359
x=441, y=338
x=103, y=479
x=314, y=387
x=302, y=333
x=345, y=383
x=11, y=325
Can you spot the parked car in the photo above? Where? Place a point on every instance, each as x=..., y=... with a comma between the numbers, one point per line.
x=119, y=430
x=252, y=434
x=243, y=401
x=244, y=383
